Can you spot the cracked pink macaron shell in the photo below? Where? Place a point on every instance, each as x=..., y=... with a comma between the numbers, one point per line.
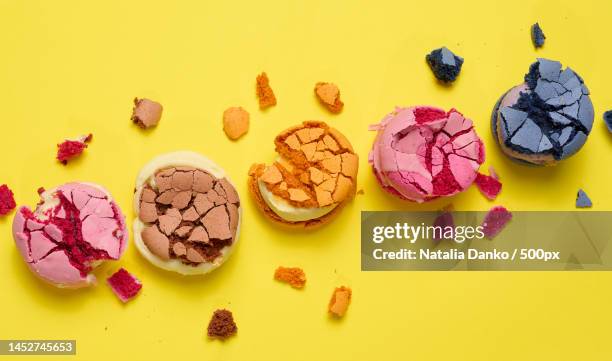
x=399, y=155
x=41, y=242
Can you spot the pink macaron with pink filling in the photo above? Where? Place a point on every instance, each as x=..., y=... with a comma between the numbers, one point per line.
x=422, y=153
x=74, y=228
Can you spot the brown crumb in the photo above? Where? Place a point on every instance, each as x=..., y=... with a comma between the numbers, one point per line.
x=235, y=122
x=340, y=301
x=329, y=96
x=361, y=192
x=146, y=113
x=222, y=325
x=265, y=92
x=294, y=276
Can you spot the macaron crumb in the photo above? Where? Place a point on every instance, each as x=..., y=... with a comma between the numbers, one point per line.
x=537, y=36
x=329, y=96
x=583, y=200
x=222, y=325
x=445, y=65
x=495, y=221
x=489, y=186
x=493, y=173
x=7, y=200
x=361, y=192
x=264, y=91
x=146, y=113
x=294, y=276
x=72, y=148
x=340, y=300
x=125, y=285
x=608, y=119
x=235, y=122
x=443, y=220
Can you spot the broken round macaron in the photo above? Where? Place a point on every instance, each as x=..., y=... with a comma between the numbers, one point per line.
x=188, y=213
x=547, y=118
x=422, y=153
x=313, y=176
x=74, y=228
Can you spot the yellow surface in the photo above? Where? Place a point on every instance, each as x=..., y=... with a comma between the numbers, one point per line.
x=72, y=67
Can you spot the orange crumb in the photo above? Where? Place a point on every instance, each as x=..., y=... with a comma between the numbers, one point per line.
x=235, y=122
x=340, y=301
x=329, y=96
x=294, y=276
x=265, y=92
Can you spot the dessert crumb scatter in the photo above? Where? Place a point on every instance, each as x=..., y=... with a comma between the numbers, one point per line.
x=608, y=119
x=235, y=122
x=329, y=96
x=445, y=65
x=340, y=300
x=583, y=200
x=7, y=200
x=264, y=92
x=222, y=325
x=495, y=221
x=146, y=113
x=294, y=276
x=124, y=284
x=489, y=186
x=537, y=36
x=70, y=149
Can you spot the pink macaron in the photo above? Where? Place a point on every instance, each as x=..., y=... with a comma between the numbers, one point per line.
x=422, y=153
x=74, y=228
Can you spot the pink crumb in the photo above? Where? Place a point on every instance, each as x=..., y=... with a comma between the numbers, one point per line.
x=495, y=220
x=443, y=220
x=489, y=186
x=72, y=148
x=124, y=284
x=493, y=173
x=7, y=200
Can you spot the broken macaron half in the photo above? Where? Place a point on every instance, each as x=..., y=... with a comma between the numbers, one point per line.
x=313, y=175
x=73, y=229
x=547, y=118
x=187, y=213
x=422, y=153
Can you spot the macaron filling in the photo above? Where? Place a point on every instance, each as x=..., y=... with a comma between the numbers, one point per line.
x=287, y=211
x=73, y=229
x=421, y=153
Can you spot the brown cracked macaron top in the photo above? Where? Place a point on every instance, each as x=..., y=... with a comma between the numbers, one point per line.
x=314, y=173
x=188, y=214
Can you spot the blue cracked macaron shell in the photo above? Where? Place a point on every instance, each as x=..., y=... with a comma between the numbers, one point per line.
x=549, y=120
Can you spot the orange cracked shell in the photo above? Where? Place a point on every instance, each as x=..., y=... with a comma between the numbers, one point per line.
x=316, y=168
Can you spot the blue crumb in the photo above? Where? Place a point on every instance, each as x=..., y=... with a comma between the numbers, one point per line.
x=445, y=65
x=582, y=200
x=608, y=119
x=537, y=35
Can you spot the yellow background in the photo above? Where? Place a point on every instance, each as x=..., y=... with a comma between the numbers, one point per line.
x=73, y=67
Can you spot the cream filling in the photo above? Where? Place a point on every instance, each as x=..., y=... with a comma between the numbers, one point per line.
x=289, y=212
